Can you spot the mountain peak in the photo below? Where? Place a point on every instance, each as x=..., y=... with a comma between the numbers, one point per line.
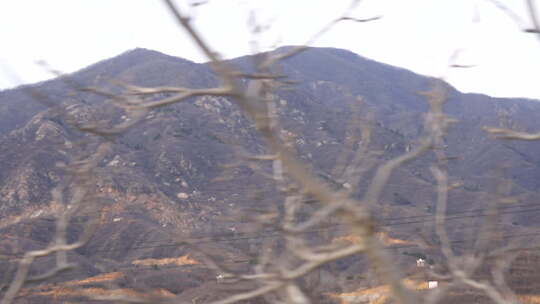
x=142, y=52
x=330, y=50
x=148, y=54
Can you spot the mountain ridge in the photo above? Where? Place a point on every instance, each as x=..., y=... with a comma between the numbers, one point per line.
x=171, y=176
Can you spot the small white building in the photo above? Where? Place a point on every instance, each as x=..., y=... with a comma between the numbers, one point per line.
x=432, y=284
x=220, y=277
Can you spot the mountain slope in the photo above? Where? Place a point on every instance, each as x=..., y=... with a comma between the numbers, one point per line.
x=167, y=179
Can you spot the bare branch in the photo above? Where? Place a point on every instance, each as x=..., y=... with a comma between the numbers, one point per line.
x=531, y=5
x=501, y=133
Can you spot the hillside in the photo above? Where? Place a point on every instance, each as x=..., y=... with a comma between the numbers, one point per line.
x=167, y=180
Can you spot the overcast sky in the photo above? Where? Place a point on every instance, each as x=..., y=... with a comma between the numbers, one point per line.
x=420, y=35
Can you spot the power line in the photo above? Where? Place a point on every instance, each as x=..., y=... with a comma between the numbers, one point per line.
x=387, y=222
x=277, y=233
x=244, y=261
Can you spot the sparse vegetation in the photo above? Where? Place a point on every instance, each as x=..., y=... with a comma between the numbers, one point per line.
x=290, y=176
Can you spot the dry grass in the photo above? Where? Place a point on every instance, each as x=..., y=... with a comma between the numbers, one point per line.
x=529, y=299
x=183, y=260
x=70, y=289
x=111, y=276
x=376, y=295
x=62, y=292
x=51, y=289
x=383, y=236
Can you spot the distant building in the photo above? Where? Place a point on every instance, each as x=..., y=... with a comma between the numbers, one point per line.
x=432, y=284
x=420, y=263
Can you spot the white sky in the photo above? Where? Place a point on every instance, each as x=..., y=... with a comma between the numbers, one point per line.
x=420, y=35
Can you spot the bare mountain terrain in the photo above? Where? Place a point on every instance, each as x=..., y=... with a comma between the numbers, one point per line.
x=168, y=180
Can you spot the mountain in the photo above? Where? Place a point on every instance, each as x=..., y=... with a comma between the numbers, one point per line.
x=168, y=179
